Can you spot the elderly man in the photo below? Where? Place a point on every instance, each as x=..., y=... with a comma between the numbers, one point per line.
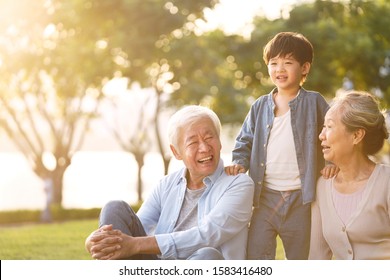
x=198, y=212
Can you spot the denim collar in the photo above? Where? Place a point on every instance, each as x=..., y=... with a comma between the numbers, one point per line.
x=208, y=180
x=292, y=103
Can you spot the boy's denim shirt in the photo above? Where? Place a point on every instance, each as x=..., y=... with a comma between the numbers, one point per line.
x=307, y=118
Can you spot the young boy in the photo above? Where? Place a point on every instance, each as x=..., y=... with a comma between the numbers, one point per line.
x=278, y=144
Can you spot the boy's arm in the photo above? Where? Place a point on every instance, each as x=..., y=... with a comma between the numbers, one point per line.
x=330, y=170
x=234, y=169
x=241, y=153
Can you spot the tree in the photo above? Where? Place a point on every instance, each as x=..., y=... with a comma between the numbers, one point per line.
x=206, y=71
x=350, y=39
x=130, y=122
x=47, y=99
x=57, y=55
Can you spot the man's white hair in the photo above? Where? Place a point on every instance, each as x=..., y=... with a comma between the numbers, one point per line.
x=185, y=117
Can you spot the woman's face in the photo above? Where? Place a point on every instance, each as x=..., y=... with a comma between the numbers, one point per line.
x=337, y=143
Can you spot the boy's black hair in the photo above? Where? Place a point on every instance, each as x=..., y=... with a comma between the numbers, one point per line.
x=286, y=43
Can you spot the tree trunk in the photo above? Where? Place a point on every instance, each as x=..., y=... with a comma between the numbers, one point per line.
x=139, y=157
x=57, y=186
x=57, y=176
x=166, y=158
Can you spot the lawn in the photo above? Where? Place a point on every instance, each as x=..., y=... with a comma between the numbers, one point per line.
x=56, y=241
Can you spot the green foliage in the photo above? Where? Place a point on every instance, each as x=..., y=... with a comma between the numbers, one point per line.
x=350, y=39
x=58, y=214
x=19, y=216
x=143, y=40
x=56, y=56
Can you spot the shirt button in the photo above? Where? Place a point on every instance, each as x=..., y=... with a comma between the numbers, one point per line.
x=343, y=229
x=350, y=251
x=268, y=125
x=259, y=182
x=261, y=164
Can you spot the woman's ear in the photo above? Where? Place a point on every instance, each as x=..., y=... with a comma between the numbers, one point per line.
x=175, y=153
x=358, y=135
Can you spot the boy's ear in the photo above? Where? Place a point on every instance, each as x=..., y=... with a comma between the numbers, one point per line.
x=306, y=68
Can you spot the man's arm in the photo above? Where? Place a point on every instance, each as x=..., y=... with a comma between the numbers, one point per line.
x=228, y=217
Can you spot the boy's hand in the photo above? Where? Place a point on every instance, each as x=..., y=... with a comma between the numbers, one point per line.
x=234, y=169
x=329, y=171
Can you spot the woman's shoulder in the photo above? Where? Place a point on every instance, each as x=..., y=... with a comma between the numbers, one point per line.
x=383, y=167
x=323, y=185
x=383, y=171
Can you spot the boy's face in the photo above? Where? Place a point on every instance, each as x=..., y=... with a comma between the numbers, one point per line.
x=286, y=72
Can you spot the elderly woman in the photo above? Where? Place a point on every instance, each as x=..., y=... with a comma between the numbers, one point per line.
x=351, y=215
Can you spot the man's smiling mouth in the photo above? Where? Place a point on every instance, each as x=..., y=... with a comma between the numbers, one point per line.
x=203, y=160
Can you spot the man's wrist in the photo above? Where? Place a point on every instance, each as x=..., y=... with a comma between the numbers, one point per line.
x=147, y=245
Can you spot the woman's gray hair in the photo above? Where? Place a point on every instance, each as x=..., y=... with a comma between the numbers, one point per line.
x=188, y=115
x=359, y=109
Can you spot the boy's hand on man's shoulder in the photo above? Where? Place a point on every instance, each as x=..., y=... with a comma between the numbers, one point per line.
x=234, y=169
x=329, y=171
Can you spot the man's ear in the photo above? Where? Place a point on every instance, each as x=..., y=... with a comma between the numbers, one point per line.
x=175, y=153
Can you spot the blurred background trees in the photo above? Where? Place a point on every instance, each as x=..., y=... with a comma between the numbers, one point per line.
x=57, y=56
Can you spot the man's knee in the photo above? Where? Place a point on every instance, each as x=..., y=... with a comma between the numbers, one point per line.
x=115, y=206
x=113, y=210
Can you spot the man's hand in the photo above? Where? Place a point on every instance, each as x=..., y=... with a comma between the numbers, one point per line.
x=104, y=242
x=234, y=169
x=109, y=244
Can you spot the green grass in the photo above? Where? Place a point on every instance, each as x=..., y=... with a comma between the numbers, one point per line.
x=56, y=241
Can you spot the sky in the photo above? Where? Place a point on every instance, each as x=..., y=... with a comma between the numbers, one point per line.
x=234, y=16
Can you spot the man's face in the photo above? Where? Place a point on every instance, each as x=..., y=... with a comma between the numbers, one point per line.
x=199, y=148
